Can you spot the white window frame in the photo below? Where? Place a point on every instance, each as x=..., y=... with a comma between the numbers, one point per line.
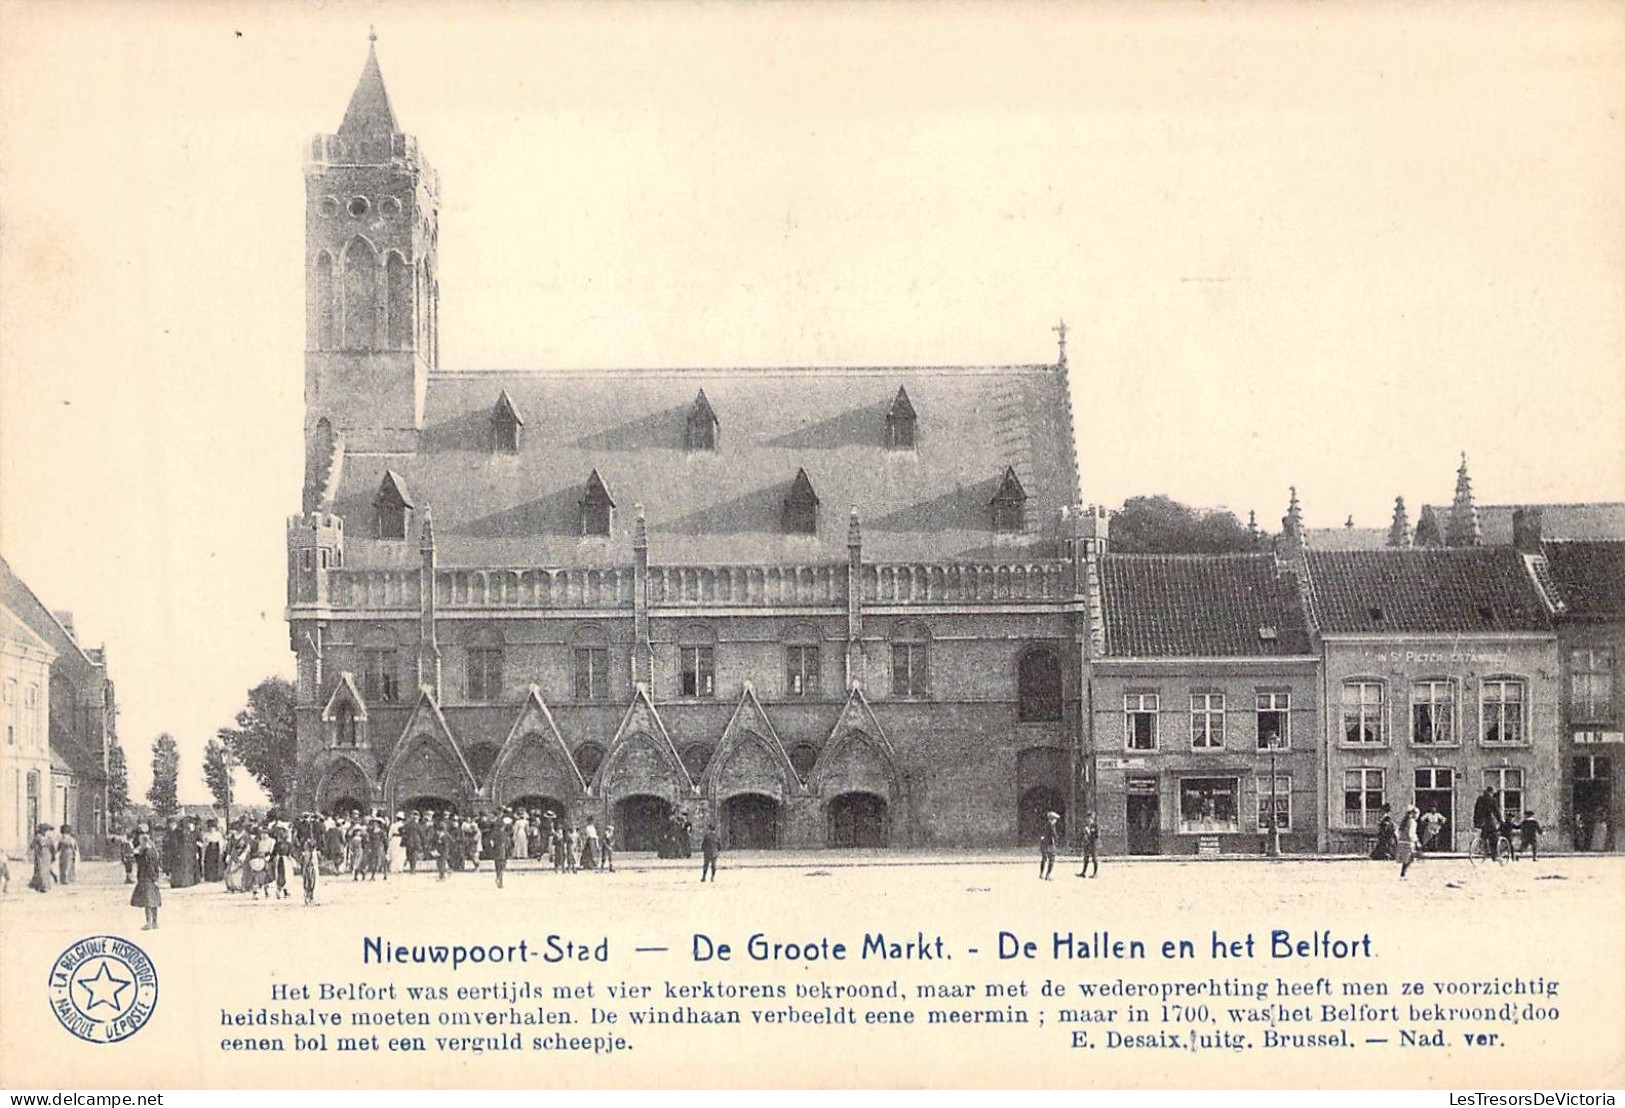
x=1280, y=701
x=1496, y=777
x=1142, y=703
x=1434, y=683
x=1283, y=793
x=1596, y=672
x=1499, y=707
x=1368, y=817
x=1207, y=719
x=1373, y=715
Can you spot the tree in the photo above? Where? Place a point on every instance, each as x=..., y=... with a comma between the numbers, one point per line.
x=217, y=774
x=166, y=774
x=264, y=741
x=118, y=783
x=1162, y=525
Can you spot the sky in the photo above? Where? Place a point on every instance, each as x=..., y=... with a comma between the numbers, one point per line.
x=1324, y=245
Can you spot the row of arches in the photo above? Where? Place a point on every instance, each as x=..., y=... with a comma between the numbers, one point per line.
x=363, y=302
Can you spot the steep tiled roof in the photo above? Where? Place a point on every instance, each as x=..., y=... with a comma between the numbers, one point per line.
x=1597, y=520
x=1589, y=576
x=1425, y=590
x=1200, y=605
x=725, y=506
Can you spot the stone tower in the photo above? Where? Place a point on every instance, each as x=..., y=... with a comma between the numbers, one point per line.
x=372, y=211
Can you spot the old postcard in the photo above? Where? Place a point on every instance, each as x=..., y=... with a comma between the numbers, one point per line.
x=902, y=546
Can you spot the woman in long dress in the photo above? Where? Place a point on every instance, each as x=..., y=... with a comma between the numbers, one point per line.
x=236, y=861
x=213, y=848
x=67, y=856
x=146, y=894
x=397, y=844
x=184, y=875
x=40, y=852
x=521, y=836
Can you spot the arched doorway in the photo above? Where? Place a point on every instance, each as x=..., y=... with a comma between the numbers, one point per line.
x=858, y=820
x=750, y=821
x=640, y=821
x=1032, y=813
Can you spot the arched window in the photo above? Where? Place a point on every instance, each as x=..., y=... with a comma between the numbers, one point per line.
x=589, y=756
x=1038, y=680
x=360, y=296
x=697, y=661
x=592, y=663
x=484, y=649
x=910, y=661
x=398, y=280
x=325, y=308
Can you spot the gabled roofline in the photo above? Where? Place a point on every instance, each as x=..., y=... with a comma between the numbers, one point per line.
x=50, y=616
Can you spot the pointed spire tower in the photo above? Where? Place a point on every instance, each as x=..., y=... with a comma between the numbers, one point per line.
x=1291, y=545
x=372, y=213
x=1462, y=529
x=1399, y=531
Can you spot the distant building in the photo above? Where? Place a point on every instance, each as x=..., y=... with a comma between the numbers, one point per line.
x=1597, y=521
x=59, y=731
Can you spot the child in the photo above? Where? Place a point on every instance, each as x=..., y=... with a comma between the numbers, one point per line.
x=1091, y=842
x=1529, y=831
x=126, y=855
x=146, y=895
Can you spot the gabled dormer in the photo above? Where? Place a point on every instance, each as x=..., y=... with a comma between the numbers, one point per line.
x=1009, y=505
x=801, y=507
x=393, y=506
x=597, y=507
x=506, y=425
x=902, y=425
x=704, y=429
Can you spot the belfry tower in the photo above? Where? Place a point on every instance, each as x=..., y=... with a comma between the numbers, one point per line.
x=372, y=211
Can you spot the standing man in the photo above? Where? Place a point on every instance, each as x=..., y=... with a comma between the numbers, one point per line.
x=1046, y=846
x=1487, y=819
x=710, y=847
x=609, y=847
x=500, y=831
x=1091, y=845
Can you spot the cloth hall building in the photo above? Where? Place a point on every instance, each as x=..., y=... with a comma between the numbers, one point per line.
x=814, y=606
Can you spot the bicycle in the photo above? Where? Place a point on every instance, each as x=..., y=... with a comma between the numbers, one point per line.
x=1479, y=850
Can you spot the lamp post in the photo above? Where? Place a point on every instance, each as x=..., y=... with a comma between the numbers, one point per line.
x=1273, y=846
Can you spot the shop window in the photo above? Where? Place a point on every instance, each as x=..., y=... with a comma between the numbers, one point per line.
x=1207, y=805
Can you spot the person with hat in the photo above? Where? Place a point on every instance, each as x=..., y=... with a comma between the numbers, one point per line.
x=589, y=845
x=1091, y=847
x=145, y=895
x=500, y=831
x=42, y=854
x=521, y=835
x=710, y=847
x=67, y=856
x=607, y=846
x=1046, y=845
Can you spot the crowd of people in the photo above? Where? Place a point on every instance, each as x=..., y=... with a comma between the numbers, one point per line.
x=54, y=854
x=1418, y=832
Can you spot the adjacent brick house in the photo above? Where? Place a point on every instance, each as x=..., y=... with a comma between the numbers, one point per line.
x=1205, y=678
x=818, y=606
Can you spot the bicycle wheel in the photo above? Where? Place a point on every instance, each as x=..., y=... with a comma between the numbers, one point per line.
x=1503, y=850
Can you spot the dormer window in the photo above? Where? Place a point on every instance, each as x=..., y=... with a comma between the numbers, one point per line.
x=704, y=429
x=801, y=507
x=506, y=423
x=1009, y=505
x=597, y=508
x=901, y=422
x=394, y=507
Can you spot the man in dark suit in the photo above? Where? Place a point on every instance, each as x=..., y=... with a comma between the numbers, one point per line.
x=1487, y=818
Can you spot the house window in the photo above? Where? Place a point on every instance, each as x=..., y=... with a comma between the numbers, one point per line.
x=1433, y=713
x=1362, y=797
x=1276, y=796
x=1362, y=713
x=698, y=670
x=1507, y=781
x=1038, y=686
x=1501, y=712
x=1591, y=684
x=1207, y=805
x=378, y=676
x=484, y=673
x=1140, y=720
x=1274, y=712
x=801, y=671
x=1207, y=721
x=592, y=673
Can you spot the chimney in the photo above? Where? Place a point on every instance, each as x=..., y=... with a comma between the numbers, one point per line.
x=1526, y=530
